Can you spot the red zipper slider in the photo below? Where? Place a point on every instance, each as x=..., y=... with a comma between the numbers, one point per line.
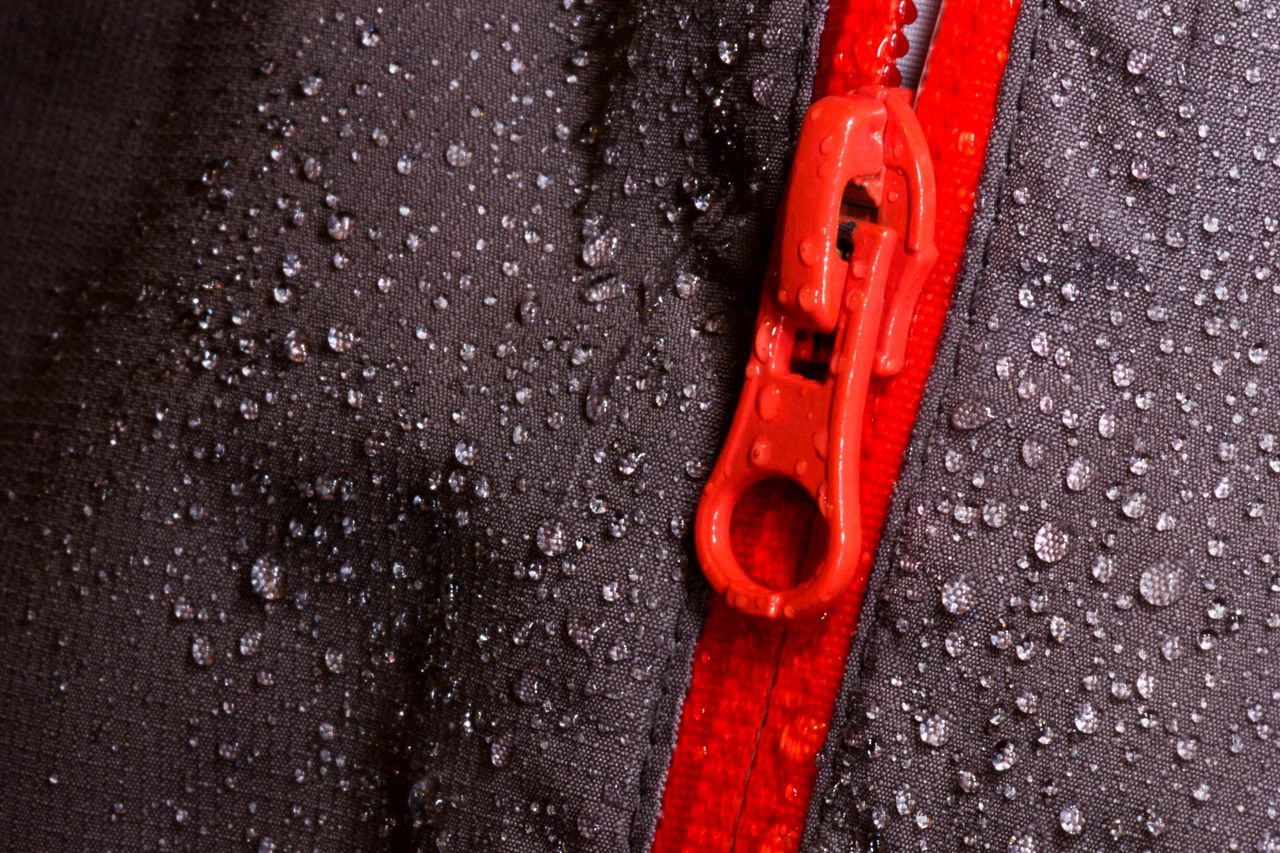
x=854, y=248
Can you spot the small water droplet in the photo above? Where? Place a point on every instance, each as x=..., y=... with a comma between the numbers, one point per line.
x=465, y=452
x=599, y=250
x=1162, y=583
x=936, y=729
x=1004, y=756
x=552, y=539
x=1051, y=542
x=959, y=595
x=335, y=661
x=341, y=338
x=1138, y=62
x=1087, y=718
x=457, y=155
x=1078, y=475
x=267, y=579
x=970, y=415
x=339, y=226
x=1070, y=819
x=311, y=85
x=201, y=650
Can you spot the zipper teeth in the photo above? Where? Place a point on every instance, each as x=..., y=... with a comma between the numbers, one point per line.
x=775, y=669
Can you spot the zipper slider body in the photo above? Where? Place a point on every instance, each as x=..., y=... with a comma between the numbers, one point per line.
x=854, y=245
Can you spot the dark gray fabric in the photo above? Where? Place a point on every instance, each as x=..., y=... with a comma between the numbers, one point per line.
x=1071, y=643
x=361, y=370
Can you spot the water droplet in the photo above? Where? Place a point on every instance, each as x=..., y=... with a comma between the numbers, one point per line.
x=936, y=729
x=339, y=226
x=1104, y=568
x=250, y=643
x=1024, y=843
x=530, y=307
x=970, y=415
x=958, y=595
x=1135, y=504
x=1087, y=719
x=552, y=539
x=465, y=452
x=500, y=749
x=1051, y=542
x=1162, y=584
x=311, y=85
x=527, y=688
x=687, y=284
x=267, y=579
x=1033, y=453
x=599, y=250
x=457, y=155
x=295, y=346
x=1139, y=61
x=629, y=462
x=426, y=801
x=341, y=338
x=1070, y=819
x=1078, y=475
x=201, y=650
x=1004, y=756
x=335, y=661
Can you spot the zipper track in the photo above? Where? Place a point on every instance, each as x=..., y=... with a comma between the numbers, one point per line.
x=762, y=695
x=919, y=36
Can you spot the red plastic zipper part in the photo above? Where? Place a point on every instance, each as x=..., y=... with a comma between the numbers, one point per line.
x=861, y=42
x=854, y=246
x=759, y=706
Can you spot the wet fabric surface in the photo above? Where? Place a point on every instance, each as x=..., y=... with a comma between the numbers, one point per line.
x=1072, y=639
x=361, y=370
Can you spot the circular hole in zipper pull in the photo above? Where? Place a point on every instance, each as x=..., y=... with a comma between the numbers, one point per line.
x=776, y=533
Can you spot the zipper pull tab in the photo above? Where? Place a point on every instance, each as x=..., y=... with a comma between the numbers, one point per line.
x=854, y=248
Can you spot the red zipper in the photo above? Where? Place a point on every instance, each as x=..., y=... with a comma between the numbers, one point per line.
x=855, y=244
x=772, y=654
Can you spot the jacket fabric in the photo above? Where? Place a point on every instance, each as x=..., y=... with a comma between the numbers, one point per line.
x=362, y=370
x=1071, y=645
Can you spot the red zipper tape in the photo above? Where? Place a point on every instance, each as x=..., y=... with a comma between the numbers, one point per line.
x=760, y=702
